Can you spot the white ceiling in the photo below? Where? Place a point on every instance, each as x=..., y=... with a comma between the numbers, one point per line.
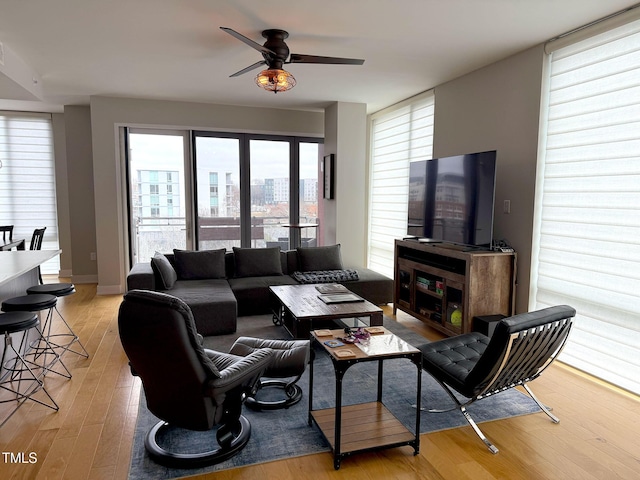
x=175, y=50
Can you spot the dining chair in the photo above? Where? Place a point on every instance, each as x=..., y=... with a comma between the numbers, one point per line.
x=36, y=244
x=7, y=229
x=36, y=239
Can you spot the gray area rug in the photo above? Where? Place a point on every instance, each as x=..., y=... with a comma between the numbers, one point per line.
x=285, y=433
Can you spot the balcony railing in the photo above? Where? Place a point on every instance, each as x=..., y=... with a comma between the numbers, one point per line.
x=163, y=234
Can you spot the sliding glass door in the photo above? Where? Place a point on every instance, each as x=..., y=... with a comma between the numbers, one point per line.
x=251, y=188
x=217, y=178
x=158, y=192
x=270, y=169
x=309, y=156
x=219, y=190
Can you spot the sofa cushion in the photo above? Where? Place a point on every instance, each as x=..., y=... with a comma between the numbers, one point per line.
x=212, y=303
x=372, y=286
x=319, y=258
x=200, y=264
x=252, y=293
x=164, y=271
x=257, y=262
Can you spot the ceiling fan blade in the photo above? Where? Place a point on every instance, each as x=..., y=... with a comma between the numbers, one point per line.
x=248, y=41
x=298, y=58
x=249, y=68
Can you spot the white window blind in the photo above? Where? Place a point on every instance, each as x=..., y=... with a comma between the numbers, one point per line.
x=587, y=233
x=399, y=135
x=27, y=179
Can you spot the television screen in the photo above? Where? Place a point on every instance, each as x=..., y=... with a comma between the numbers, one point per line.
x=451, y=199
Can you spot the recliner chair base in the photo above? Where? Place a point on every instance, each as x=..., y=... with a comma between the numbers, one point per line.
x=230, y=444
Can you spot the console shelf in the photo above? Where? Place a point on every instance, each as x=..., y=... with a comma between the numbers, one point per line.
x=447, y=285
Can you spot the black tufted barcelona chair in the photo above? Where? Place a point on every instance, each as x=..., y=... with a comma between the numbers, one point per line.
x=477, y=366
x=185, y=385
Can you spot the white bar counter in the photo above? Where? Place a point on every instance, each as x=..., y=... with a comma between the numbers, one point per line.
x=19, y=270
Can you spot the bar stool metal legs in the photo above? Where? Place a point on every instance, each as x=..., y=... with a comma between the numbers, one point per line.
x=66, y=339
x=19, y=375
x=41, y=349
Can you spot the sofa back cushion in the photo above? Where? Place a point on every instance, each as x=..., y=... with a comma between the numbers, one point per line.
x=257, y=262
x=319, y=258
x=164, y=272
x=200, y=264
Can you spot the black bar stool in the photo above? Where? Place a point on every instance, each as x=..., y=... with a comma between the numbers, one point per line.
x=16, y=369
x=68, y=337
x=41, y=349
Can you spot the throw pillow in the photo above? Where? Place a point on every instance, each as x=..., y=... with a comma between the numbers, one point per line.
x=257, y=262
x=199, y=264
x=163, y=271
x=319, y=258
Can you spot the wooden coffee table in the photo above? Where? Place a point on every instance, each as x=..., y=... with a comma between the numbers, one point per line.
x=297, y=307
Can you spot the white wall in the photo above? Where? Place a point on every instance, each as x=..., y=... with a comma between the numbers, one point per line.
x=108, y=113
x=350, y=181
x=497, y=108
x=80, y=180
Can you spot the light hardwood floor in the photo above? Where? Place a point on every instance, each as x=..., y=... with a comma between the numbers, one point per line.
x=90, y=437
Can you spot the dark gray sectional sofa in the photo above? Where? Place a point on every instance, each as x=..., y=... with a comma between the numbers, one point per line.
x=221, y=286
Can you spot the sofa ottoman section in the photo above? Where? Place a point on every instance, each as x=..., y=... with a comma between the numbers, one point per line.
x=372, y=286
x=252, y=293
x=212, y=303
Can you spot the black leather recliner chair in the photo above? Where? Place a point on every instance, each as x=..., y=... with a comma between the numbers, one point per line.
x=477, y=366
x=185, y=385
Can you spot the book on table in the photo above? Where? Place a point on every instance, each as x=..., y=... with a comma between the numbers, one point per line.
x=340, y=298
x=326, y=288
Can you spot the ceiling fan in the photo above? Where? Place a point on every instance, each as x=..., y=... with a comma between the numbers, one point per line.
x=275, y=53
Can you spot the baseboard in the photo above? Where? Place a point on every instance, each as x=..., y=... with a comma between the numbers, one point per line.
x=80, y=279
x=67, y=273
x=109, y=290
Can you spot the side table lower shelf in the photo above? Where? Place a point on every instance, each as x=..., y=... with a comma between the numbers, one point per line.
x=369, y=425
x=365, y=426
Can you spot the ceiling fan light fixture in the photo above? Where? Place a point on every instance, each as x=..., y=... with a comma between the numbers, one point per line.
x=275, y=80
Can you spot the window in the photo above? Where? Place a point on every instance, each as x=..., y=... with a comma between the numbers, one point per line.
x=158, y=218
x=27, y=179
x=249, y=186
x=400, y=134
x=586, y=251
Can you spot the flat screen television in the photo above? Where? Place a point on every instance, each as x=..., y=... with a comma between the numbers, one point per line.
x=451, y=199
